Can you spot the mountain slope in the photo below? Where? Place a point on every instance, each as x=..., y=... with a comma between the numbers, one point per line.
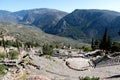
x=43, y=18
x=31, y=33
x=6, y=16
x=88, y=24
x=80, y=24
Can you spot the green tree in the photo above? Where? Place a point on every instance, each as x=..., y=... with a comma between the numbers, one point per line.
x=0, y=42
x=2, y=34
x=9, y=43
x=14, y=44
x=17, y=45
x=97, y=44
x=119, y=32
x=109, y=43
x=115, y=47
x=3, y=41
x=48, y=49
x=92, y=44
x=103, y=44
x=28, y=45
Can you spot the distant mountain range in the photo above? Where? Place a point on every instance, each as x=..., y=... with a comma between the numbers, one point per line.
x=88, y=24
x=80, y=24
x=43, y=18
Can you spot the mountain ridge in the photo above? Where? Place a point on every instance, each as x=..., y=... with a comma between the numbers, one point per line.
x=79, y=24
x=87, y=24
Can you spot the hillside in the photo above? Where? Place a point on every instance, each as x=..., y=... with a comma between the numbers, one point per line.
x=81, y=24
x=30, y=33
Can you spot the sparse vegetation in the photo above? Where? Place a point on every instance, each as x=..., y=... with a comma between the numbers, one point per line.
x=31, y=44
x=34, y=35
x=115, y=47
x=2, y=70
x=87, y=48
x=89, y=78
x=2, y=55
x=13, y=54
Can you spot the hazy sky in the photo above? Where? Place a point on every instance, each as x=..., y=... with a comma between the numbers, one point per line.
x=64, y=5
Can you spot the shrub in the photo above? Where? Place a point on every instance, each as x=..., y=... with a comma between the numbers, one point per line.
x=13, y=54
x=8, y=43
x=87, y=48
x=115, y=47
x=2, y=69
x=2, y=55
x=88, y=78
